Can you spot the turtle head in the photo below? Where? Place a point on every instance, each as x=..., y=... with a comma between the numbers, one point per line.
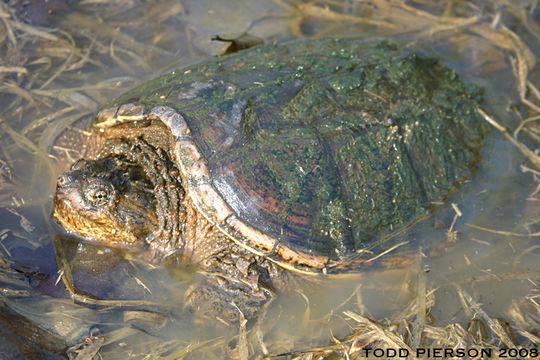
x=109, y=201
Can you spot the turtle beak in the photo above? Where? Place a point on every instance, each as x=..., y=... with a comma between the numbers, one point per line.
x=63, y=193
x=60, y=193
x=67, y=195
x=62, y=199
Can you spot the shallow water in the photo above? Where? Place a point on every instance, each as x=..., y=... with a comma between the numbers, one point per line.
x=61, y=77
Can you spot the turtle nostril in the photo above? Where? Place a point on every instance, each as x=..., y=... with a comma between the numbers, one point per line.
x=63, y=180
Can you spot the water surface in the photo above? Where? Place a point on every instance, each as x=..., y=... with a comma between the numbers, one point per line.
x=63, y=60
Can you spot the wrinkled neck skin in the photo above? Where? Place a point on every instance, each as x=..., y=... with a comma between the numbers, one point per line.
x=170, y=227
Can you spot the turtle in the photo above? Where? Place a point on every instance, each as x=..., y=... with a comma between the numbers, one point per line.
x=285, y=158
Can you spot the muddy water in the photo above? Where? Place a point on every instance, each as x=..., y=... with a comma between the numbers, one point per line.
x=67, y=59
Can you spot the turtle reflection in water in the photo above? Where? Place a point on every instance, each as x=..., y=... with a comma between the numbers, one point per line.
x=277, y=158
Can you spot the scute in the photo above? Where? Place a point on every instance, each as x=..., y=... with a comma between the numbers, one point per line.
x=325, y=145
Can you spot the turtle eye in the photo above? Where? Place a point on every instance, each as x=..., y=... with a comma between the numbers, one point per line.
x=98, y=196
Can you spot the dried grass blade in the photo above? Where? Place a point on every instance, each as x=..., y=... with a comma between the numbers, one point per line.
x=534, y=158
x=13, y=69
x=184, y=351
x=420, y=319
x=105, y=31
x=10, y=33
x=13, y=88
x=494, y=325
x=500, y=232
x=22, y=141
x=57, y=72
x=72, y=98
x=534, y=339
x=377, y=332
x=42, y=33
x=46, y=119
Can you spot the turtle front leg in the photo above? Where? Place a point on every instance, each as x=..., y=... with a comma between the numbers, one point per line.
x=231, y=280
x=225, y=300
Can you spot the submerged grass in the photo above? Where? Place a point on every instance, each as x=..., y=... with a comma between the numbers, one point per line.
x=51, y=79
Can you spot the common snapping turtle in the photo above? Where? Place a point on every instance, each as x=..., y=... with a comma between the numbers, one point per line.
x=296, y=156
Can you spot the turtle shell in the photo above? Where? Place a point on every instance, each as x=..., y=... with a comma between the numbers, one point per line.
x=309, y=151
